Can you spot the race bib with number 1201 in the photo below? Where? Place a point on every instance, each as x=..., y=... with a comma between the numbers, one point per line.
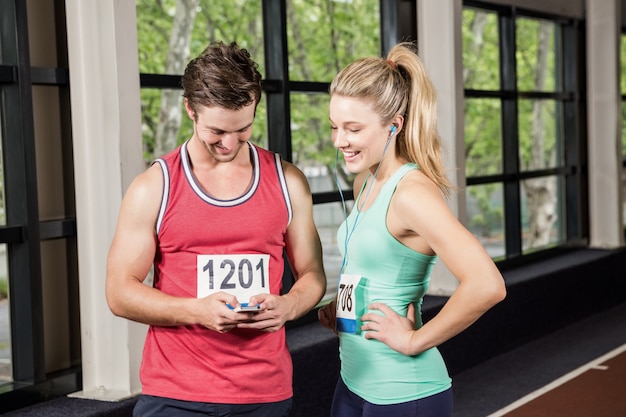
x=242, y=275
x=346, y=314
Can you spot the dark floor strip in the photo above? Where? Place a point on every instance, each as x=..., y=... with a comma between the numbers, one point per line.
x=500, y=381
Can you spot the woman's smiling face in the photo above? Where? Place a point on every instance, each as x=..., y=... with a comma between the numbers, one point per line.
x=357, y=132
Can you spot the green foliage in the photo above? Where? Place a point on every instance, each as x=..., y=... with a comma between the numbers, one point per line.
x=323, y=37
x=487, y=218
x=623, y=130
x=4, y=288
x=539, y=136
x=539, y=151
x=481, y=55
x=226, y=20
x=483, y=138
x=535, y=71
x=623, y=63
x=154, y=21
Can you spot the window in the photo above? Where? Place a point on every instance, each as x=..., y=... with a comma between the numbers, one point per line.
x=39, y=318
x=522, y=131
x=169, y=34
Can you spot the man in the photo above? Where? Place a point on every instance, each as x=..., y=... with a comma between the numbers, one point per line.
x=215, y=217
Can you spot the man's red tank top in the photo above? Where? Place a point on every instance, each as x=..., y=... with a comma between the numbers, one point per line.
x=208, y=245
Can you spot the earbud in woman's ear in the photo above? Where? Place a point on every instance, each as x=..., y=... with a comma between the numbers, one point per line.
x=393, y=129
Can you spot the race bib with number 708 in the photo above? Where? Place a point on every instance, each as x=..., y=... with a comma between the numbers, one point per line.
x=242, y=275
x=347, y=308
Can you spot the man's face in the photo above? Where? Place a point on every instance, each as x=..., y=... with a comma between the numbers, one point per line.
x=223, y=132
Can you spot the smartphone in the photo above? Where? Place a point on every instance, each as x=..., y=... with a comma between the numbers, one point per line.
x=250, y=308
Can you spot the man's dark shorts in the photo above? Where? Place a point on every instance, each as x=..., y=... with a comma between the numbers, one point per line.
x=150, y=406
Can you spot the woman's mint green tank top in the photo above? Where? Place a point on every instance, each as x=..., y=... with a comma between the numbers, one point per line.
x=395, y=275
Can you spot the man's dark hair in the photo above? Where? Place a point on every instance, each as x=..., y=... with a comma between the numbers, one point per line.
x=224, y=76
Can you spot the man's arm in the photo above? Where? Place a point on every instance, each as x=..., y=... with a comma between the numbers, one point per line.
x=304, y=251
x=131, y=256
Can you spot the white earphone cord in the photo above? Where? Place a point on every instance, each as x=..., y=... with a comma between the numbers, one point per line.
x=343, y=201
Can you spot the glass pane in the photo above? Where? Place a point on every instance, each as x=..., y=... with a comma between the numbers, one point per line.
x=312, y=147
x=624, y=194
x=481, y=55
x=485, y=217
x=543, y=219
x=536, y=55
x=324, y=36
x=165, y=124
x=59, y=310
x=225, y=20
x=328, y=218
x=540, y=135
x=483, y=137
x=6, y=373
x=624, y=128
x=3, y=218
x=623, y=64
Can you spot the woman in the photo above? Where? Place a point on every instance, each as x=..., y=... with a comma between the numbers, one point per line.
x=383, y=118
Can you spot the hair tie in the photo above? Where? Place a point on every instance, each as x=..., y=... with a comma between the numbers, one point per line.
x=391, y=64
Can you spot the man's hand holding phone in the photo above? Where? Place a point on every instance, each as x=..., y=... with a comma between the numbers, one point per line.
x=246, y=308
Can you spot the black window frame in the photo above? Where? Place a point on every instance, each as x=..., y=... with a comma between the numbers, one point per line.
x=572, y=100
x=24, y=231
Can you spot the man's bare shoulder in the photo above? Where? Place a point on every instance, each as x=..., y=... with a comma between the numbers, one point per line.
x=143, y=196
